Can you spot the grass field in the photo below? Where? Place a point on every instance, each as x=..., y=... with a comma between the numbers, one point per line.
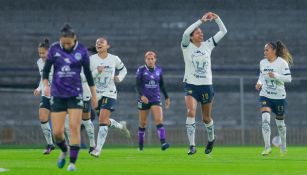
x=152, y=161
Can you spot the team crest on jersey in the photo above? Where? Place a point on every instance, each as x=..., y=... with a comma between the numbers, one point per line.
x=78, y=56
x=190, y=91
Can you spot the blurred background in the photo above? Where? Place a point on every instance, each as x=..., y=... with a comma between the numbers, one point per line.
x=135, y=26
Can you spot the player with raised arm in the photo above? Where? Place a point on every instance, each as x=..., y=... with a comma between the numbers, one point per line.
x=198, y=77
x=274, y=72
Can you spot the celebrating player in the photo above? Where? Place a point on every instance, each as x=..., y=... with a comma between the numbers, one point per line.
x=103, y=66
x=149, y=82
x=274, y=72
x=198, y=76
x=68, y=57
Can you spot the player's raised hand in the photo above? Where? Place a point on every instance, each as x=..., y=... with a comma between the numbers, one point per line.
x=213, y=16
x=207, y=17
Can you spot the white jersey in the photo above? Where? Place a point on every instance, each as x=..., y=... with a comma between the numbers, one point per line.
x=274, y=88
x=86, y=89
x=198, y=59
x=104, y=81
x=40, y=64
x=198, y=63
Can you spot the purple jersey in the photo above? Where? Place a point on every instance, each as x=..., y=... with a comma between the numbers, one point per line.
x=150, y=82
x=67, y=67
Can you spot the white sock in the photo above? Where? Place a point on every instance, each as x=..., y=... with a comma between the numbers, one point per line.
x=190, y=125
x=89, y=127
x=115, y=124
x=266, y=129
x=282, y=130
x=67, y=130
x=210, y=131
x=102, y=135
x=47, y=132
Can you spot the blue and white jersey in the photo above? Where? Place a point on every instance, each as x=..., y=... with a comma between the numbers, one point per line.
x=198, y=63
x=274, y=88
x=104, y=81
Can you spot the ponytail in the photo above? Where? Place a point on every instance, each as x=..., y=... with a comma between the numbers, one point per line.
x=67, y=31
x=283, y=52
x=44, y=44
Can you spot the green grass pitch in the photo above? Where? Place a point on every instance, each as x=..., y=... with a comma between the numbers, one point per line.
x=153, y=161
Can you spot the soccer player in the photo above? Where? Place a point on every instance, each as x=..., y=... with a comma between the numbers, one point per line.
x=198, y=77
x=68, y=57
x=86, y=115
x=149, y=82
x=44, y=107
x=274, y=72
x=103, y=66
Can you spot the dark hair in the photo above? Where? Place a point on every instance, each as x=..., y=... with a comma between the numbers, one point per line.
x=92, y=49
x=67, y=31
x=44, y=44
x=281, y=51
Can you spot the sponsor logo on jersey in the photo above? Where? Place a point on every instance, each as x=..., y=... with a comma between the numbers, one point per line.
x=65, y=68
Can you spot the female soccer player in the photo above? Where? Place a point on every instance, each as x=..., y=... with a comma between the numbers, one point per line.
x=103, y=66
x=44, y=107
x=149, y=82
x=274, y=72
x=67, y=56
x=86, y=115
x=198, y=76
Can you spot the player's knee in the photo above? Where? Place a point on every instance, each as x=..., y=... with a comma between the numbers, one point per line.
x=191, y=113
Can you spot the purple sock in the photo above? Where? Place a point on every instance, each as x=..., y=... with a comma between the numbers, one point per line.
x=62, y=145
x=161, y=132
x=141, y=135
x=74, y=150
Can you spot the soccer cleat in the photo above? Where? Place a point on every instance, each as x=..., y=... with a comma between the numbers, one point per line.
x=71, y=167
x=48, y=149
x=283, y=152
x=91, y=149
x=61, y=159
x=95, y=153
x=164, y=146
x=125, y=130
x=192, y=150
x=209, y=147
x=141, y=147
x=266, y=152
